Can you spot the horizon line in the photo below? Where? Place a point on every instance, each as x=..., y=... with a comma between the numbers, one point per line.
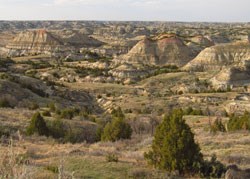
x=98, y=20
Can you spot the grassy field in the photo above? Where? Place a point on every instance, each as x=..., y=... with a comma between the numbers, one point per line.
x=45, y=156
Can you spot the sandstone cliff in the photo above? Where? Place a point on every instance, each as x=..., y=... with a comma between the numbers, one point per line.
x=77, y=38
x=233, y=76
x=160, y=51
x=37, y=41
x=216, y=57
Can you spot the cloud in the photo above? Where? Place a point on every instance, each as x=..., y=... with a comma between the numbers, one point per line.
x=109, y=2
x=174, y=10
x=83, y=2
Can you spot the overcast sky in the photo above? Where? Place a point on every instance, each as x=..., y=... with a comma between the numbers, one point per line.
x=160, y=10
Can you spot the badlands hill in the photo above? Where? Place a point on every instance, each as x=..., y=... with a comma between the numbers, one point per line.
x=77, y=38
x=36, y=41
x=218, y=56
x=159, y=51
x=238, y=75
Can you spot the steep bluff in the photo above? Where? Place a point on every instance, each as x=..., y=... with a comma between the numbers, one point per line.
x=160, y=51
x=36, y=41
x=216, y=57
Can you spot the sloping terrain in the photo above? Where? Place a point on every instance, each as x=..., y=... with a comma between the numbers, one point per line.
x=219, y=56
x=163, y=50
x=32, y=42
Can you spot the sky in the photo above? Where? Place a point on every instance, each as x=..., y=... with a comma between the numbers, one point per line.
x=127, y=10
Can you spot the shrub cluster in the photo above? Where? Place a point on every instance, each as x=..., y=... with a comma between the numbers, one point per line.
x=217, y=126
x=116, y=129
x=112, y=158
x=174, y=149
x=4, y=103
x=59, y=129
x=38, y=125
x=94, y=72
x=191, y=111
x=239, y=122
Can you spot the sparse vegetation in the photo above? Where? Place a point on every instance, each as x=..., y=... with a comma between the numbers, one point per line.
x=116, y=129
x=112, y=158
x=191, y=111
x=174, y=147
x=4, y=103
x=46, y=113
x=87, y=109
x=38, y=125
x=217, y=126
x=33, y=106
x=239, y=122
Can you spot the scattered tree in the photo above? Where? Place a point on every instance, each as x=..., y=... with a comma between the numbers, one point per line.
x=174, y=147
x=116, y=129
x=37, y=125
x=217, y=126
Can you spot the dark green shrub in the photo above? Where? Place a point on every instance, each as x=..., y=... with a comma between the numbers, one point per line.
x=33, y=106
x=4, y=103
x=174, y=147
x=188, y=111
x=4, y=76
x=37, y=125
x=53, y=169
x=64, y=132
x=197, y=112
x=239, y=122
x=52, y=107
x=212, y=168
x=117, y=113
x=72, y=135
x=5, y=131
x=99, y=132
x=217, y=126
x=57, y=129
x=180, y=93
x=58, y=111
x=116, y=130
x=46, y=113
x=112, y=158
x=191, y=111
x=67, y=113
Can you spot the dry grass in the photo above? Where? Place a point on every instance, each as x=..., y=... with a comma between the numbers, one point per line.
x=230, y=147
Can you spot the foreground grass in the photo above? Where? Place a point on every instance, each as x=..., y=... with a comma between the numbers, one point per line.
x=97, y=167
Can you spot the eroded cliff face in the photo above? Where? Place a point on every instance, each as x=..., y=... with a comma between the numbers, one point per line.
x=216, y=57
x=77, y=38
x=36, y=41
x=163, y=50
x=238, y=75
x=199, y=43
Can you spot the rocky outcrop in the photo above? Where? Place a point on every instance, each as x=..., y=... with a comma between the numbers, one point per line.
x=33, y=42
x=198, y=43
x=160, y=51
x=129, y=72
x=218, y=39
x=233, y=76
x=216, y=57
x=78, y=39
